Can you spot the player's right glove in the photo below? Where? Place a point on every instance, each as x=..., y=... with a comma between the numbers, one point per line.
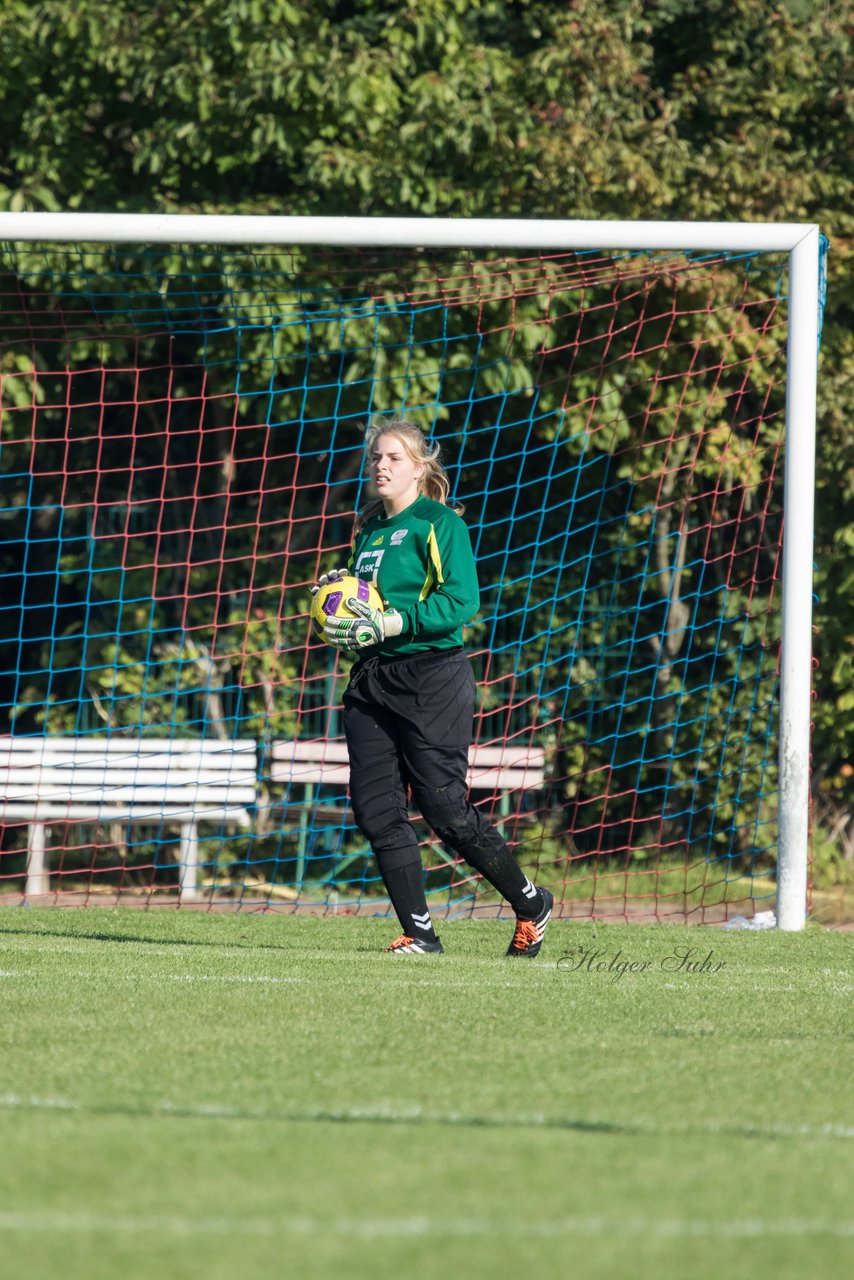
x=370, y=627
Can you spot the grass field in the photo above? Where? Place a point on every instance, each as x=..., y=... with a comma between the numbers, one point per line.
x=189, y=1095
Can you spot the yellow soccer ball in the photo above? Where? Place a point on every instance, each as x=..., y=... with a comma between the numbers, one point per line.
x=331, y=600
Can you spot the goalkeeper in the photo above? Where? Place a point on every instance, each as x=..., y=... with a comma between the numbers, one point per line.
x=409, y=705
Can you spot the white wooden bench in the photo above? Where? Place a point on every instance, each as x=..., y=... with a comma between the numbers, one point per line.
x=169, y=781
x=312, y=763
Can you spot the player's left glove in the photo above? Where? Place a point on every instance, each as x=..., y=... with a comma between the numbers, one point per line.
x=371, y=627
x=334, y=575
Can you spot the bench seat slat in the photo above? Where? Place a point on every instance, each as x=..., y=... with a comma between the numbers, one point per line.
x=127, y=813
x=335, y=751
x=304, y=772
x=129, y=746
x=490, y=768
x=20, y=762
x=184, y=794
x=479, y=779
x=73, y=778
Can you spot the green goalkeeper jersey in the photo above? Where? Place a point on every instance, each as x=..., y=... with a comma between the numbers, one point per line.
x=422, y=564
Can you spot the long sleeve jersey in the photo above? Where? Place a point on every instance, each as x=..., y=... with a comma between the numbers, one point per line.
x=422, y=564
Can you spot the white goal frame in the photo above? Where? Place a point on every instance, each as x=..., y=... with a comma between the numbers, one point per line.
x=799, y=240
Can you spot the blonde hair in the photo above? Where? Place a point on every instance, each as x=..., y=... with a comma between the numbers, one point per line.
x=434, y=482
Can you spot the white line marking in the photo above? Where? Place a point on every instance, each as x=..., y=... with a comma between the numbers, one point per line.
x=542, y=975
x=417, y=1115
x=101, y=977
x=81, y=1222
x=411, y=980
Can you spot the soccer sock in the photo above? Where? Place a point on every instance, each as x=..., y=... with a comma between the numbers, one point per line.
x=483, y=847
x=405, y=887
x=499, y=867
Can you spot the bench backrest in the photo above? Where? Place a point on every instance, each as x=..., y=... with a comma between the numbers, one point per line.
x=126, y=772
x=498, y=768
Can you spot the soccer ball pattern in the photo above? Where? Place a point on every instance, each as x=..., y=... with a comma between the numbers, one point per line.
x=331, y=600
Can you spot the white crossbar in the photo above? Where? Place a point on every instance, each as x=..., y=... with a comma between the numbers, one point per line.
x=499, y=233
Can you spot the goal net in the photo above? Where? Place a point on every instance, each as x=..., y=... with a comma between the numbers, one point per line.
x=182, y=456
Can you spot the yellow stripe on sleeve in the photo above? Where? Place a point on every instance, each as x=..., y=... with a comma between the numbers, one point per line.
x=436, y=559
x=434, y=566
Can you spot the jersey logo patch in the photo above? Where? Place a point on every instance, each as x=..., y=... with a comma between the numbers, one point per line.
x=368, y=565
x=398, y=536
x=378, y=542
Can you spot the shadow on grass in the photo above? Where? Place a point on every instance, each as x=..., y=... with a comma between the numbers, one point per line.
x=450, y=1119
x=95, y=935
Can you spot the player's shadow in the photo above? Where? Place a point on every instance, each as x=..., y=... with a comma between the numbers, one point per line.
x=96, y=935
x=455, y=1120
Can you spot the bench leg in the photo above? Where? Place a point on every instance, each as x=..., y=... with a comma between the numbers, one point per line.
x=302, y=838
x=38, y=878
x=188, y=868
x=504, y=811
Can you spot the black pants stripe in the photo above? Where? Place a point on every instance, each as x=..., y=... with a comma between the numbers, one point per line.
x=409, y=725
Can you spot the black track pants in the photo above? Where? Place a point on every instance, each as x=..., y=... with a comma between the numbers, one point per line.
x=409, y=724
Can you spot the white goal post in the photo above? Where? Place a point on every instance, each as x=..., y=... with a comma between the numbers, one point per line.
x=802, y=244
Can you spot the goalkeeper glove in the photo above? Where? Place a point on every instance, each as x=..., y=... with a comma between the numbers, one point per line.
x=334, y=575
x=371, y=627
